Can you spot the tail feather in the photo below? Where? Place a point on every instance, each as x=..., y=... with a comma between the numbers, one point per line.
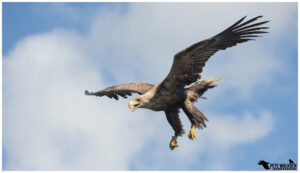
x=198, y=89
x=213, y=80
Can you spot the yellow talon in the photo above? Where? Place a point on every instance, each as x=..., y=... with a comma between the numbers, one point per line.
x=173, y=144
x=192, y=134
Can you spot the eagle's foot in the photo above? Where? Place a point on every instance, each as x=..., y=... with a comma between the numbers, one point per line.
x=173, y=143
x=192, y=133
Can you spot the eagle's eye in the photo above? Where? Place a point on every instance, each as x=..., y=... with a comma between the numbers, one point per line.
x=138, y=99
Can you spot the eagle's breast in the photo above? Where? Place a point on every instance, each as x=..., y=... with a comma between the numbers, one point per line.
x=164, y=101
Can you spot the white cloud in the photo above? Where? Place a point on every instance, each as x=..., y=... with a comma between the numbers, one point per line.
x=213, y=145
x=48, y=123
x=47, y=115
x=230, y=130
x=244, y=71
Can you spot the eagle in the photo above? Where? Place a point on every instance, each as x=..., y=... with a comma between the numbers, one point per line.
x=182, y=87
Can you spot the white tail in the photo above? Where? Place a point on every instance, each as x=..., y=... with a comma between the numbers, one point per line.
x=213, y=80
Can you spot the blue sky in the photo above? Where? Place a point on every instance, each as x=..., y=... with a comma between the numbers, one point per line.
x=52, y=52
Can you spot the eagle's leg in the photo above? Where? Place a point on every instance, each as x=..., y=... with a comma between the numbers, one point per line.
x=196, y=118
x=173, y=119
x=192, y=133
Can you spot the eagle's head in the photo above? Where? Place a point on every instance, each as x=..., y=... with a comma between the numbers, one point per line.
x=139, y=101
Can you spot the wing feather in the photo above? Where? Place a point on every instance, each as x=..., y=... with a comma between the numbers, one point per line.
x=188, y=63
x=122, y=90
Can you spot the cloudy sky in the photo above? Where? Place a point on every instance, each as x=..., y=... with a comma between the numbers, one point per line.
x=52, y=52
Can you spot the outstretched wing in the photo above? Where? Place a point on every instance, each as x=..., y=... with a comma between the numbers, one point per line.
x=122, y=90
x=188, y=63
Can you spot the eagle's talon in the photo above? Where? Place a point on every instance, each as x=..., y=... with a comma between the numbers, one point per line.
x=192, y=134
x=173, y=144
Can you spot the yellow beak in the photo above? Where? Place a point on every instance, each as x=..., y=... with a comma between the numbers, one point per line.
x=135, y=105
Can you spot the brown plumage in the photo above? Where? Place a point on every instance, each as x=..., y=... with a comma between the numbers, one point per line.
x=172, y=93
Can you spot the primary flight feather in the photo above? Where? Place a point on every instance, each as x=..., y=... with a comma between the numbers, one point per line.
x=172, y=93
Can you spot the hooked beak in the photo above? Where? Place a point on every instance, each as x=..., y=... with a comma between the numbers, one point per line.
x=135, y=105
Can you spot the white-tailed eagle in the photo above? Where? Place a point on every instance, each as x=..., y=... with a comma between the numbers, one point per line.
x=180, y=88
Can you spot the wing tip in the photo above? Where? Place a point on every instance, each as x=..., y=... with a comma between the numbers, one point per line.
x=255, y=18
x=87, y=93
